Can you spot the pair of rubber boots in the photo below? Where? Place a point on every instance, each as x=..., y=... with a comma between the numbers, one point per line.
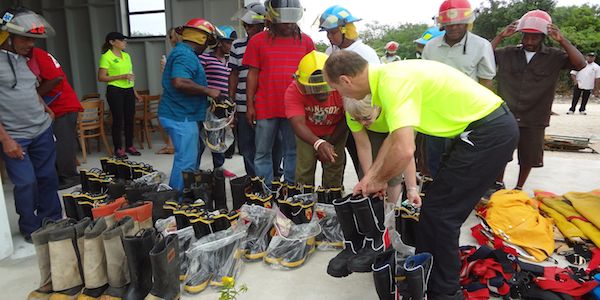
x=206, y=185
x=252, y=190
x=260, y=230
x=124, y=169
x=327, y=195
x=361, y=220
x=94, y=181
x=209, y=266
x=398, y=277
x=299, y=208
x=289, y=253
x=212, y=222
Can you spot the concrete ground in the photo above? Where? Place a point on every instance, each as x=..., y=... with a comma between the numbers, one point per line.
x=562, y=172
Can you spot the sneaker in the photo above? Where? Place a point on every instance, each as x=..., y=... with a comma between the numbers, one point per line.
x=582, y=113
x=570, y=112
x=120, y=153
x=229, y=174
x=131, y=150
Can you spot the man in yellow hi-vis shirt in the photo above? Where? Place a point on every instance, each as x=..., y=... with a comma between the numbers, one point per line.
x=435, y=99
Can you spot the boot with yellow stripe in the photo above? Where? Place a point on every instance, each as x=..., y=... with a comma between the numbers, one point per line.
x=65, y=245
x=265, y=201
x=298, y=246
x=94, y=261
x=202, y=265
x=40, y=241
x=331, y=232
x=260, y=220
x=86, y=202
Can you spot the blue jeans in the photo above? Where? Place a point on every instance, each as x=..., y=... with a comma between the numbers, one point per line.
x=266, y=135
x=36, y=181
x=185, y=136
x=217, y=158
x=245, y=139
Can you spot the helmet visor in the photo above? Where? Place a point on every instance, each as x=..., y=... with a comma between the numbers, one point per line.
x=315, y=85
x=285, y=14
x=533, y=25
x=249, y=17
x=28, y=24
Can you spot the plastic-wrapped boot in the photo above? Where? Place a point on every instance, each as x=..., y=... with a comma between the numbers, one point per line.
x=200, y=270
x=384, y=275
x=134, y=192
x=323, y=195
x=221, y=219
x=297, y=252
x=186, y=237
x=202, y=191
x=180, y=217
x=277, y=250
x=218, y=193
x=353, y=240
x=159, y=198
x=368, y=212
x=224, y=263
x=264, y=201
x=165, y=269
x=70, y=205
x=258, y=238
x=94, y=261
x=141, y=212
x=65, y=245
x=331, y=232
x=307, y=189
x=116, y=259
x=237, y=191
x=40, y=241
x=303, y=208
x=137, y=249
x=417, y=269
x=334, y=193
x=203, y=226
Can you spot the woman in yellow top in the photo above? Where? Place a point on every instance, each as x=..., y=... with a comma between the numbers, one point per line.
x=116, y=69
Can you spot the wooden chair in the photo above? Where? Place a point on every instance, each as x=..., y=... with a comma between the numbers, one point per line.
x=90, y=124
x=151, y=113
x=90, y=96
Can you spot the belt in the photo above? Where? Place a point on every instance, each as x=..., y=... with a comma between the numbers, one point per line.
x=498, y=112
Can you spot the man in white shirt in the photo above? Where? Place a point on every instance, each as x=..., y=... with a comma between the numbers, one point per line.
x=585, y=82
x=338, y=22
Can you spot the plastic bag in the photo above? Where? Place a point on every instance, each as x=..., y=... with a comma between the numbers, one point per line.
x=186, y=239
x=293, y=243
x=166, y=226
x=213, y=257
x=154, y=178
x=260, y=223
x=331, y=236
x=395, y=238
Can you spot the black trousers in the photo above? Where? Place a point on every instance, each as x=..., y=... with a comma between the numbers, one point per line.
x=585, y=96
x=122, y=106
x=468, y=169
x=65, y=131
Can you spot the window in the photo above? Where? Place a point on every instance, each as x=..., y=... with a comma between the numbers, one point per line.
x=146, y=18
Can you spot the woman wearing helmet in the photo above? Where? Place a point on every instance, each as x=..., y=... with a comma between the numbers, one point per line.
x=184, y=100
x=26, y=135
x=316, y=113
x=390, y=53
x=273, y=57
x=527, y=78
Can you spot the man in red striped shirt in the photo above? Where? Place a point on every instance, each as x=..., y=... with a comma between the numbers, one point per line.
x=273, y=57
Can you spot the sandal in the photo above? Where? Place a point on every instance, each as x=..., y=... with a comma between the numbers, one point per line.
x=166, y=150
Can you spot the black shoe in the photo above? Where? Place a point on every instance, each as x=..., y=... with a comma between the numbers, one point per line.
x=131, y=150
x=69, y=182
x=27, y=238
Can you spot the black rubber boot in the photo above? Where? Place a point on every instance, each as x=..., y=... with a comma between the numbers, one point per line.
x=417, y=269
x=353, y=240
x=165, y=269
x=158, y=202
x=368, y=212
x=86, y=202
x=203, y=226
x=70, y=206
x=134, y=192
x=137, y=250
x=323, y=195
x=218, y=193
x=238, y=186
x=384, y=275
x=203, y=191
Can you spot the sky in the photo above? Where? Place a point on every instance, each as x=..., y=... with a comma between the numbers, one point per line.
x=384, y=11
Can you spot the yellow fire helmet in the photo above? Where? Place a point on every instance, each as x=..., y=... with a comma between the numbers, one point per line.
x=309, y=76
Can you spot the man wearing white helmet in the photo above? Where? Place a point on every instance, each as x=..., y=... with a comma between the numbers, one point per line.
x=26, y=136
x=527, y=77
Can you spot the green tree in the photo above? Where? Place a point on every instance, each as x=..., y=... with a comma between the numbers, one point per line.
x=321, y=46
x=377, y=35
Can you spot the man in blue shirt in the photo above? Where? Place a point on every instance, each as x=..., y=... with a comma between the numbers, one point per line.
x=184, y=103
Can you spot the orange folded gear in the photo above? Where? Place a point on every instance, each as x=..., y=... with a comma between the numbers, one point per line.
x=141, y=212
x=107, y=209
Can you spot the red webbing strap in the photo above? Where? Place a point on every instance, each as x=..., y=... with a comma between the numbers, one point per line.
x=571, y=218
x=482, y=294
x=595, y=261
x=559, y=280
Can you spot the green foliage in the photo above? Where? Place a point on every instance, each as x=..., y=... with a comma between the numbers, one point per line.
x=377, y=35
x=321, y=46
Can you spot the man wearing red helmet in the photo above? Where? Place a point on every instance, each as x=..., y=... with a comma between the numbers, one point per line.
x=390, y=53
x=183, y=103
x=527, y=77
x=462, y=50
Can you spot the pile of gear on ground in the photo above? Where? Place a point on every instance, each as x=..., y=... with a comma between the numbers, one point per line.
x=128, y=235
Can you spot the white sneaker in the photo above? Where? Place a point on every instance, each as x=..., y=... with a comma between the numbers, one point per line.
x=570, y=112
x=582, y=113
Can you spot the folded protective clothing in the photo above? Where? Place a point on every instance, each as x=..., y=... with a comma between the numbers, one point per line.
x=568, y=229
x=515, y=218
x=587, y=204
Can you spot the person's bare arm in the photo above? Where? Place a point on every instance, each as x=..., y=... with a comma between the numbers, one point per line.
x=103, y=76
x=575, y=57
x=507, y=32
x=10, y=147
x=251, y=86
x=47, y=85
x=234, y=78
x=325, y=152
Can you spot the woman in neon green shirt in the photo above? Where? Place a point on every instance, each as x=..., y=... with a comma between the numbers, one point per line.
x=116, y=69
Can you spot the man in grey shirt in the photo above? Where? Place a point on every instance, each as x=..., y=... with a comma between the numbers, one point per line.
x=25, y=123
x=463, y=50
